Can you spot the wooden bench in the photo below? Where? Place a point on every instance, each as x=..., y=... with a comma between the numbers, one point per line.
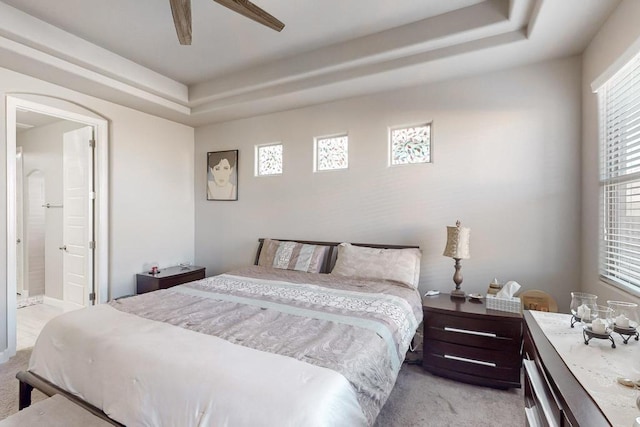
x=29, y=381
x=56, y=411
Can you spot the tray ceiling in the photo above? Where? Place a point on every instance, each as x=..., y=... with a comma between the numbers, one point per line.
x=128, y=52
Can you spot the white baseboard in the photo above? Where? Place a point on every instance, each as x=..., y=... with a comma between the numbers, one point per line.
x=6, y=355
x=64, y=305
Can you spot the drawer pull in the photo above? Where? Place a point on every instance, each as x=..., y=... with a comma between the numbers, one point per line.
x=531, y=371
x=465, y=331
x=532, y=419
x=464, y=359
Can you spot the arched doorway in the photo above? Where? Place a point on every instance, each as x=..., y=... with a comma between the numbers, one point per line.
x=97, y=197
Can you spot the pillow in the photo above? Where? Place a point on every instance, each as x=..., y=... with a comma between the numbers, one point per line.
x=398, y=265
x=292, y=256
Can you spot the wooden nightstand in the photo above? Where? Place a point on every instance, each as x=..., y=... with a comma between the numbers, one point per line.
x=465, y=341
x=168, y=277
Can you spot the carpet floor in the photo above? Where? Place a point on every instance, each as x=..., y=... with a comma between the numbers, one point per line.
x=422, y=399
x=9, y=383
x=418, y=399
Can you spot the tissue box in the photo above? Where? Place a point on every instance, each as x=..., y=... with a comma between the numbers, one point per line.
x=511, y=305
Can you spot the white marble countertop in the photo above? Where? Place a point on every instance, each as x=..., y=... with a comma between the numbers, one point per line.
x=597, y=366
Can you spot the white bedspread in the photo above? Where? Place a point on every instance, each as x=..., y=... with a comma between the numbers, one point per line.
x=90, y=353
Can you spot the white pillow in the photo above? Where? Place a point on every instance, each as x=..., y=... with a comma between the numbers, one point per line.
x=398, y=265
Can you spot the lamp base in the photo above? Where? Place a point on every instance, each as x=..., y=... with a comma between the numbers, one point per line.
x=458, y=293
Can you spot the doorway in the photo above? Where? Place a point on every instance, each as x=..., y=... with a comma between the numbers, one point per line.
x=57, y=209
x=54, y=258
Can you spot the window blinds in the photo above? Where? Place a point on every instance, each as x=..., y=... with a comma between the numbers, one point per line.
x=619, y=100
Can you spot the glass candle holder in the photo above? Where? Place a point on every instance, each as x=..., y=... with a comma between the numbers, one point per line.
x=599, y=325
x=625, y=319
x=600, y=320
x=582, y=304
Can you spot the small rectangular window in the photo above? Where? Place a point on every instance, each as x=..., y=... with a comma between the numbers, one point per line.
x=269, y=159
x=410, y=144
x=331, y=152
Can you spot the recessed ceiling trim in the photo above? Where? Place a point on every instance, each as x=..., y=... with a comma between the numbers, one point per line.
x=534, y=13
x=359, y=73
x=410, y=54
x=449, y=29
x=31, y=32
x=41, y=41
x=40, y=58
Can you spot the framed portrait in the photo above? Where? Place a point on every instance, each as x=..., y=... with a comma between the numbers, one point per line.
x=222, y=175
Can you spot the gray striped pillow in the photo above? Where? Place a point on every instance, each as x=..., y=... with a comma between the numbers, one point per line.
x=292, y=256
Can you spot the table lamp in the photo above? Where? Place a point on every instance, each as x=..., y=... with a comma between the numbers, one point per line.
x=457, y=248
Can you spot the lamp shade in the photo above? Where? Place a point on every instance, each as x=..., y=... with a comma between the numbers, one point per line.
x=457, y=242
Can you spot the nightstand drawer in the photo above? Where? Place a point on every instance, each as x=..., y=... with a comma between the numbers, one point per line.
x=483, y=356
x=479, y=333
x=491, y=328
x=168, y=282
x=168, y=277
x=483, y=366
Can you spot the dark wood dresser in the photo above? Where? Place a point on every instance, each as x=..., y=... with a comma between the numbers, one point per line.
x=553, y=396
x=168, y=277
x=465, y=341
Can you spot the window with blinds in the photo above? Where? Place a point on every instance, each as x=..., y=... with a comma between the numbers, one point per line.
x=619, y=101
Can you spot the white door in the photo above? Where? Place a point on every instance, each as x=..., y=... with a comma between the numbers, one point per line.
x=19, y=224
x=77, y=264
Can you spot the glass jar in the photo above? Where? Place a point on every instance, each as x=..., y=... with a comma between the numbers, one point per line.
x=625, y=314
x=600, y=320
x=582, y=303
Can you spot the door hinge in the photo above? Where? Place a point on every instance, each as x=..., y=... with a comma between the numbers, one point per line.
x=92, y=245
x=92, y=143
x=92, y=195
x=92, y=297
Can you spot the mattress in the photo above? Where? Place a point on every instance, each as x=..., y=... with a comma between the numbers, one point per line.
x=256, y=346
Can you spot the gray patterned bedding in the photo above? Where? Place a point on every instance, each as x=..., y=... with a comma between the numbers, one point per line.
x=358, y=328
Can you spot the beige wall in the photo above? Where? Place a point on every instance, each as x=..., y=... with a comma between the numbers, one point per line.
x=618, y=33
x=506, y=163
x=151, y=187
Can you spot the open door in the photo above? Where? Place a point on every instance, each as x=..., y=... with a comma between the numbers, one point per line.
x=20, y=290
x=78, y=244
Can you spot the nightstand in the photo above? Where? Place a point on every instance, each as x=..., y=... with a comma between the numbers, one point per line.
x=168, y=277
x=465, y=341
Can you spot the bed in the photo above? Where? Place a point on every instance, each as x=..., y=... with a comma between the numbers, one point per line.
x=282, y=342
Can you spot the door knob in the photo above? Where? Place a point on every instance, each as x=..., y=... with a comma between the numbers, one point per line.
x=63, y=248
x=18, y=241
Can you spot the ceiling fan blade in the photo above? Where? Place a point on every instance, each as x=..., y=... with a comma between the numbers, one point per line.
x=251, y=11
x=181, y=11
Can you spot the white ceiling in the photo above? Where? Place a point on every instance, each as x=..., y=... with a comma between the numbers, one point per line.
x=127, y=51
x=26, y=120
x=224, y=41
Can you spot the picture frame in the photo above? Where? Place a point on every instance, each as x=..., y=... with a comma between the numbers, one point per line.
x=222, y=175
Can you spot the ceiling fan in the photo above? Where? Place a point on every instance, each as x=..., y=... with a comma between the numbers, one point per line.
x=181, y=10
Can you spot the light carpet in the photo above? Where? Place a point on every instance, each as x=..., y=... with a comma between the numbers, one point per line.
x=9, y=384
x=422, y=399
x=418, y=399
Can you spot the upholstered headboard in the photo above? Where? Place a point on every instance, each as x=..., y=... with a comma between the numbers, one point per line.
x=332, y=250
